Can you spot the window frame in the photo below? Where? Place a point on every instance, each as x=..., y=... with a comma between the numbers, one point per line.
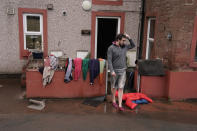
x=149, y=15
x=23, y=51
x=148, y=39
x=107, y=2
x=193, y=63
x=32, y=32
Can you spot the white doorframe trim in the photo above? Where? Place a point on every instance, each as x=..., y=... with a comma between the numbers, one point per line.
x=96, y=30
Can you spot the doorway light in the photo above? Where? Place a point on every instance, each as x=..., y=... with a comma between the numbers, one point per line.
x=86, y=5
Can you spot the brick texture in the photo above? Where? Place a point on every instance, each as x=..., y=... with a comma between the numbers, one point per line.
x=177, y=17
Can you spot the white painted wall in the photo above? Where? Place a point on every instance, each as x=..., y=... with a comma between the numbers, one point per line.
x=65, y=30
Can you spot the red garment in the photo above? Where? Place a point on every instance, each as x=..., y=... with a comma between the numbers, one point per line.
x=129, y=97
x=77, y=63
x=130, y=104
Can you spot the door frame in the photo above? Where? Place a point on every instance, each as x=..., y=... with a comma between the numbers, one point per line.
x=96, y=30
x=95, y=15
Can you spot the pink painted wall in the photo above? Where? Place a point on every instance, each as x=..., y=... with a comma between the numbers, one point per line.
x=175, y=85
x=154, y=86
x=182, y=85
x=59, y=89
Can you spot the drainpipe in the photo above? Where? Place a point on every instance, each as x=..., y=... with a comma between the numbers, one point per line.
x=141, y=30
x=140, y=38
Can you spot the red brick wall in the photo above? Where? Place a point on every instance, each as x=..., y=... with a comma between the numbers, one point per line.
x=177, y=17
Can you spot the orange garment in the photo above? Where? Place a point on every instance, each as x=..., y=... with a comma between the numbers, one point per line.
x=102, y=64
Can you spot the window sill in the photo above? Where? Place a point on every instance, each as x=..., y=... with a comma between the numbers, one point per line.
x=105, y=2
x=193, y=64
x=25, y=53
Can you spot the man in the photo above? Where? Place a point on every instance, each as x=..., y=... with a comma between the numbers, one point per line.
x=116, y=56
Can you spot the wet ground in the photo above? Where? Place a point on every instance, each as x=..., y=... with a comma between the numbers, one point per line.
x=71, y=114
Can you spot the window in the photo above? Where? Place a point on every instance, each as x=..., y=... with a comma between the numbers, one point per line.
x=150, y=37
x=107, y=2
x=32, y=30
x=193, y=56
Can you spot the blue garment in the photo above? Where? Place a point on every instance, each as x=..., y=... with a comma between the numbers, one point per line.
x=68, y=72
x=94, y=67
x=144, y=101
x=140, y=101
x=134, y=101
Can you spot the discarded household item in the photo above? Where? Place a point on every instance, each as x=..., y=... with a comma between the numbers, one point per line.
x=151, y=67
x=95, y=101
x=36, y=105
x=133, y=99
x=37, y=55
x=22, y=95
x=140, y=101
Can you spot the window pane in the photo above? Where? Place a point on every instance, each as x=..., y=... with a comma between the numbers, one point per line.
x=33, y=42
x=152, y=28
x=150, y=48
x=33, y=23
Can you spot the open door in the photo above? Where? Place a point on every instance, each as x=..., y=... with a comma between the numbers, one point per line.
x=105, y=26
x=106, y=30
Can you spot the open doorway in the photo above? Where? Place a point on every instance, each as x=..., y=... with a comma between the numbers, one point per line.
x=106, y=30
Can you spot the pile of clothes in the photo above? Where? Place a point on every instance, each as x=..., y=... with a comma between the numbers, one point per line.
x=94, y=66
x=50, y=65
x=133, y=99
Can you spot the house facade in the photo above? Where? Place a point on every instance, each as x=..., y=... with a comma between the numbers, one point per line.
x=170, y=32
x=62, y=26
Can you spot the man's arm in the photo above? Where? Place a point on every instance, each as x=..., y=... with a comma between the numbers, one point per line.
x=109, y=59
x=132, y=44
